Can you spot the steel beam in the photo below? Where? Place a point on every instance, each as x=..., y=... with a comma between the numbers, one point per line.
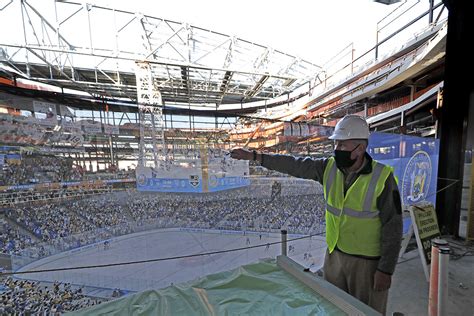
x=453, y=118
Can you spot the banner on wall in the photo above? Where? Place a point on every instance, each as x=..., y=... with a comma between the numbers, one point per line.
x=13, y=159
x=90, y=184
x=225, y=173
x=208, y=173
x=415, y=163
x=170, y=177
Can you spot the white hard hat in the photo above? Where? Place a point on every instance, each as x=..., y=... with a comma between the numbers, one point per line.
x=351, y=127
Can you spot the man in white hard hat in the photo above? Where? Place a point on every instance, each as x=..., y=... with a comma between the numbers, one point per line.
x=363, y=210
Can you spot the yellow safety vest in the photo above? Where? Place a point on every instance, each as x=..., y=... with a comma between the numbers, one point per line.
x=352, y=221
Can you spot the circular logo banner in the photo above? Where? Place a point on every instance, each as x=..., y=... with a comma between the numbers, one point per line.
x=416, y=178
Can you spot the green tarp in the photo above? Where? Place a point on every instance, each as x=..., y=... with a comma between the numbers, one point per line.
x=256, y=289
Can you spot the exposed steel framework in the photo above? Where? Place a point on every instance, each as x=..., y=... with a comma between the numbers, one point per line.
x=152, y=137
x=94, y=48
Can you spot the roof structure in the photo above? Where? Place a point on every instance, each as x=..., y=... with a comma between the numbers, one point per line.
x=95, y=49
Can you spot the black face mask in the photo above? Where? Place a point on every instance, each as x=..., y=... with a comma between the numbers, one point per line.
x=343, y=158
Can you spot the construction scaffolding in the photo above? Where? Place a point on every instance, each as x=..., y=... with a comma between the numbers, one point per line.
x=152, y=141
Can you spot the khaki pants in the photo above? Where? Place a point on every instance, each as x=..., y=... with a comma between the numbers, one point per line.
x=355, y=276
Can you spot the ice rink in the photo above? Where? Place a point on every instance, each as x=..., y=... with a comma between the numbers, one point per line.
x=167, y=243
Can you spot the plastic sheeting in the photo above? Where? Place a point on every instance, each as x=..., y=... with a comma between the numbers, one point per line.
x=260, y=288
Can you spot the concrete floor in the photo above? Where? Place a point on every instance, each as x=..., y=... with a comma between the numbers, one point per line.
x=410, y=290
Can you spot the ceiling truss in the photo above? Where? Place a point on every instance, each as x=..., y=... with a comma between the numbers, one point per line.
x=95, y=49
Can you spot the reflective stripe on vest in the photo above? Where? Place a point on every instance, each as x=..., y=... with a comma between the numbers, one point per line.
x=350, y=212
x=376, y=172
